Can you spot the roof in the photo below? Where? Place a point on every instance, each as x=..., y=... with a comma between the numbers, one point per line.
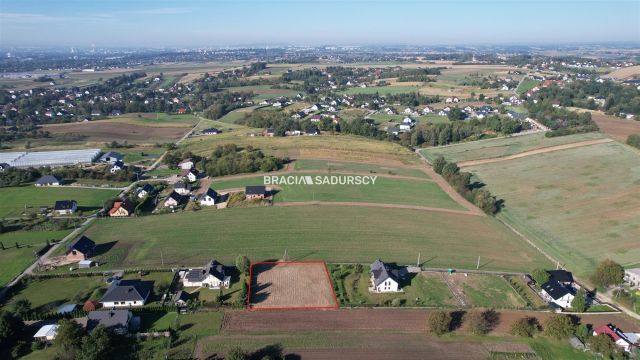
x=148, y=188
x=66, y=308
x=127, y=290
x=213, y=268
x=83, y=245
x=184, y=172
x=47, y=331
x=635, y=271
x=555, y=289
x=175, y=196
x=126, y=204
x=48, y=179
x=64, y=205
x=612, y=331
x=210, y=192
x=210, y=130
x=181, y=296
x=118, y=163
x=381, y=273
x=185, y=161
x=111, y=154
x=255, y=190
x=108, y=318
x=182, y=185
x=562, y=276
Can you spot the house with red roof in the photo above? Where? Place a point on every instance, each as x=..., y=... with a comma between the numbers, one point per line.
x=616, y=335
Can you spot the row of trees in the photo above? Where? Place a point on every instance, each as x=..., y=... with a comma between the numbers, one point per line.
x=230, y=159
x=461, y=182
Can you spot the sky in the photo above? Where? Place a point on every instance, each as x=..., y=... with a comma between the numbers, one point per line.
x=205, y=23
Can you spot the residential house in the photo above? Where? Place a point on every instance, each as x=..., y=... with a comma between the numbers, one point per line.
x=632, y=277
x=556, y=293
x=311, y=132
x=116, y=113
x=126, y=293
x=211, y=131
x=208, y=198
x=111, y=157
x=122, y=208
x=117, y=166
x=65, y=207
x=393, y=130
x=117, y=321
x=191, y=174
x=383, y=278
x=211, y=276
x=81, y=249
x=181, y=298
x=147, y=189
x=4, y=166
x=182, y=188
x=562, y=276
x=269, y=132
x=49, y=180
x=173, y=200
x=256, y=192
x=186, y=164
x=616, y=335
x=46, y=333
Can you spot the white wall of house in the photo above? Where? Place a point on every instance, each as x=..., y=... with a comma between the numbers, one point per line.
x=388, y=285
x=207, y=201
x=117, y=304
x=209, y=282
x=564, y=302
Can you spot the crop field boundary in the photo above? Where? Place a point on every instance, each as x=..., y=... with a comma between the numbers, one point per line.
x=326, y=270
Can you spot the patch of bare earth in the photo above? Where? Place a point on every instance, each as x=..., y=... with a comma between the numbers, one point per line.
x=107, y=131
x=290, y=285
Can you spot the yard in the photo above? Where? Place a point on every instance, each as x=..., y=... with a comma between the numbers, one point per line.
x=14, y=200
x=46, y=295
x=425, y=289
x=330, y=233
x=488, y=291
x=591, y=188
x=526, y=85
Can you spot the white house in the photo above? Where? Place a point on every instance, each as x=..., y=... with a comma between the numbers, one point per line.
x=173, y=200
x=182, y=188
x=117, y=166
x=145, y=190
x=191, y=174
x=208, y=198
x=49, y=180
x=46, y=333
x=211, y=276
x=126, y=293
x=186, y=164
x=383, y=279
x=632, y=277
x=65, y=207
x=554, y=292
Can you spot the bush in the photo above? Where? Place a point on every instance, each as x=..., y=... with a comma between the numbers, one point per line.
x=634, y=140
x=440, y=322
x=579, y=302
x=608, y=273
x=481, y=322
x=525, y=327
x=559, y=327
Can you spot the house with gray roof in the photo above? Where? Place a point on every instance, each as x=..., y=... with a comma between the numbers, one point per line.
x=117, y=321
x=384, y=278
x=111, y=157
x=211, y=276
x=126, y=293
x=49, y=180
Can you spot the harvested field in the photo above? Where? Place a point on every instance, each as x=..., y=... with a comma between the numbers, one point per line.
x=289, y=285
x=617, y=128
x=108, y=131
x=625, y=73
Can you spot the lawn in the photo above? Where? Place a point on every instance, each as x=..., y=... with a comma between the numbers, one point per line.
x=264, y=92
x=418, y=289
x=488, y=291
x=14, y=199
x=526, y=85
x=548, y=197
x=331, y=233
x=191, y=328
x=13, y=261
x=382, y=90
x=330, y=166
x=47, y=294
x=492, y=148
x=334, y=147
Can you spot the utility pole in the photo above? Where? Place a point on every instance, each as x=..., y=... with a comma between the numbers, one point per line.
x=478, y=265
x=161, y=257
x=285, y=255
x=418, y=263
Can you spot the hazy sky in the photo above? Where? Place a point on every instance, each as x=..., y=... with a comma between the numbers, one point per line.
x=312, y=22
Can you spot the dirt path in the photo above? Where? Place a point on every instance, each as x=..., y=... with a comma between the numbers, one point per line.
x=533, y=152
x=388, y=206
x=446, y=187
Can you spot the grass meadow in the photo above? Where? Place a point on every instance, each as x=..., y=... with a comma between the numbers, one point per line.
x=492, y=148
x=329, y=166
x=331, y=233
x=581, y=205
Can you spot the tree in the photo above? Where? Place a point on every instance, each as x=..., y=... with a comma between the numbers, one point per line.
x=449, y=170
x=583, y=331
x=603, y=344
x=440, y=322
x=608, y=273
x=236, y=354
x=438, y=164
x=559, y=327
x=540, y=276
x=97, y=346
x=243, y=264
x=634, y=140
x=69, y=336
x=579, y=302
x=481, y=322
x=11, y=329
x=22, y=308
x=525, y=327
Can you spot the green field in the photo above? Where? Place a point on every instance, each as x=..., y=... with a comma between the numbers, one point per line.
x=581, y=205
x=47, y=294
x=489, y=291
x=492, y=148
x=157, y=119
x=332, y=233
x=331, y=166
x=384, y=191
x=13, y=261
x=382, y=90
x=264, y=92
x=526, y=85
x=14, y=199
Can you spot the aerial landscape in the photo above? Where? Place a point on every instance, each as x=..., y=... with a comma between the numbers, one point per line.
x=319, y=180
